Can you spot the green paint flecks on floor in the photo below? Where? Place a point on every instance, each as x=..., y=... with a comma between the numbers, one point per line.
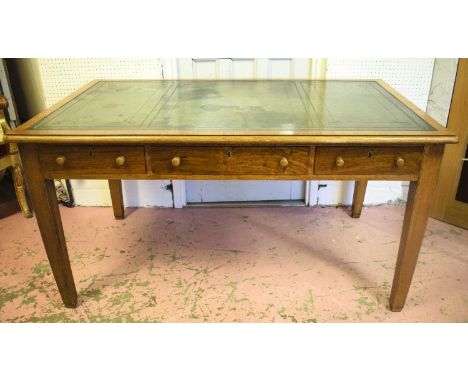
x=342, y=316
x=121, y=298
x=95, y=294
x=367, y=304
x=222, y=265
x=41, y=269
x=58, y=317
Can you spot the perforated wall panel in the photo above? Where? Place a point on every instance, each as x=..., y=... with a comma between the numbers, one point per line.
x=62, y=76
x=410, y=76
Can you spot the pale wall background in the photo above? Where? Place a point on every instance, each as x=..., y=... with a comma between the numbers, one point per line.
x=426, y=82
x=440, y=95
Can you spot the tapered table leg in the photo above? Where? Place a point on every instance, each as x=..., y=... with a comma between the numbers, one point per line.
x=414, y=225
x=115, y=187
x=358, y=197
x=44, y=200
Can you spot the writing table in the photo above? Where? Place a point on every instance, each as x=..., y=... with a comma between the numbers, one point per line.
x=262, y=129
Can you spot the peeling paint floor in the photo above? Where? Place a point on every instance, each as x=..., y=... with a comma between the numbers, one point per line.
x=233, y=265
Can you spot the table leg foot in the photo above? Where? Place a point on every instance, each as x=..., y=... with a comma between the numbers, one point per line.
x=358, y=197
x=115, y=187
x=44, y=200
x=414, y=225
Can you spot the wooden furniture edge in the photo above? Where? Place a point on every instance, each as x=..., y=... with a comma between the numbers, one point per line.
x=445, y=207
x=115, y=189
x=162, y=176
x=414, y=225
x=46, y=209
x=234, y=140
x=359, y=194
x=227, y=133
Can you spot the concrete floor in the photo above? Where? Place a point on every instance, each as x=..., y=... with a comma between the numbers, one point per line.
x=233, y=265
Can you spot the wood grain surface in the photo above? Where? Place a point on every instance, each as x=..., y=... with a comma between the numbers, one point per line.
x=414, y=225
x=230, y=160
x=91, y=159
x=44, y=199
x=367, y=160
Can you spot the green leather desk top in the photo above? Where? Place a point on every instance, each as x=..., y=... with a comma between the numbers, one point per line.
x=185, y=107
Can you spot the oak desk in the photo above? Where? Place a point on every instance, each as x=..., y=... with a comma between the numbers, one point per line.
x=283, y=129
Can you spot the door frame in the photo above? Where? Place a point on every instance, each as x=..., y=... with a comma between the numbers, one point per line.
x=445, y=206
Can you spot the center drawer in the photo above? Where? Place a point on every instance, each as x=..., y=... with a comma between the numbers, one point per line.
x=232, y=160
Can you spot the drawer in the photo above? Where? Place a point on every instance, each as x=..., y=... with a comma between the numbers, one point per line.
x=362, y=160
x=92, y=159
x=182, y=160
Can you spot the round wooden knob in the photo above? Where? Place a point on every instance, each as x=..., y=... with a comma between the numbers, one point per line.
x=60, y=160
x=120, y=160
x=284, y=162
x=3, y=103
x=339, y=161
x=400, y=162
x=175, y=161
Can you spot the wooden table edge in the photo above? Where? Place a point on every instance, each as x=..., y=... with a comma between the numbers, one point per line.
x=234, y=139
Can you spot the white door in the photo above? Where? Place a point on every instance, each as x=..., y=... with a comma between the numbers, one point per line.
x=242, y=68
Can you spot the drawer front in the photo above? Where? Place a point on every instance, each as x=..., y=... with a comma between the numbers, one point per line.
x=367, y=160
x=199, y=160
x=92, y=159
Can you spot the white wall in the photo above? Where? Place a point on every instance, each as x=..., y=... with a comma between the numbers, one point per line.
x=440, y=94
x=341, y=192
x=410, y=76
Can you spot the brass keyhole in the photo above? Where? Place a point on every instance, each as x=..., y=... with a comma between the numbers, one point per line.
x=369, y=154
x=229, y=154
x=91, y=153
